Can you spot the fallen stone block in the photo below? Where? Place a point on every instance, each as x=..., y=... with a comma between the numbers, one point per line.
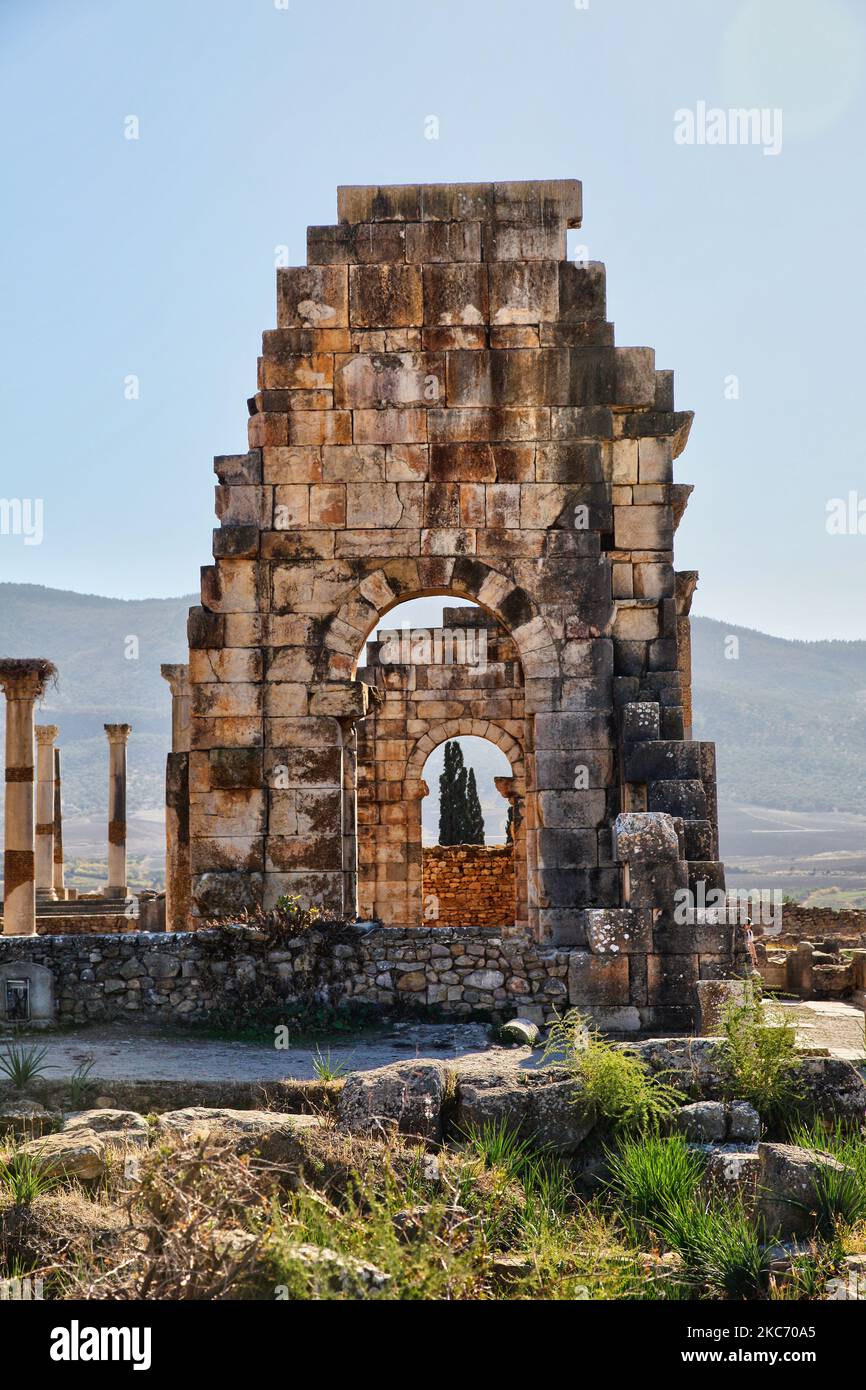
x=80, y=1154
x=344, y=1272
x=271, y=1135
x=788, y=1179
x=520, y=1030
x=703, y=1122
x=744, y=1122
x=25, y=1117
x=407, y=1095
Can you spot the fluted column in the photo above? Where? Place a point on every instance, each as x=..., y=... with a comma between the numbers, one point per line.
x=23, y=681
x=177, y=857
x=45, y=736
x=59, y=885
x=117, y=737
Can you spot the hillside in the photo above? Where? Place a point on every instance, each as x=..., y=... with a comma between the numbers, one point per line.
x=87, y=638
x=788, y=718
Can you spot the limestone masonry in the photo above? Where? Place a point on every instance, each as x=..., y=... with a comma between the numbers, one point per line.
x=441, y=410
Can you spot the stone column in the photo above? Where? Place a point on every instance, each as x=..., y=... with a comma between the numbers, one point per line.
x=59, y=886
x=45, y=736
x=117, y=737
x=177, y=857
x=686, y=583
x=23, y=681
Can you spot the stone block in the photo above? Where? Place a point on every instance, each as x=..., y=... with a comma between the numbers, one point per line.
x=312, y=297
x=455, y=295
x=523, y=292
x=597, y=981
x=385, y=296
x=617, y=931
x=369, y=381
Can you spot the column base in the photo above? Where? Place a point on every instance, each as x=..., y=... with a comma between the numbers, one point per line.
x=11, y=931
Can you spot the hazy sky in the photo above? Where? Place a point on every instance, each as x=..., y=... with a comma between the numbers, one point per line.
x=155, y=257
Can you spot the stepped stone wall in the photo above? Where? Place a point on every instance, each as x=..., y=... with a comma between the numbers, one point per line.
x=441, y=410
x=469, y=885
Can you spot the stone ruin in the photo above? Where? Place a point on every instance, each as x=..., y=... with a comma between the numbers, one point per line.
x=441, y=410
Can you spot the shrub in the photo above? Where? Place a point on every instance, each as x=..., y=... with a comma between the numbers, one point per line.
x=500, y=1146
x=721, y=1246
x=625, y=1096
x=23, y=1178
x=758, y=1058
x=79, y=1085
x=23, y=1064
x=650, y=1176
x=325, y=1068
x=840, y=1195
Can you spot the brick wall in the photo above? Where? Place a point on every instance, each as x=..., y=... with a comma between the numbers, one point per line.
x=473, y=885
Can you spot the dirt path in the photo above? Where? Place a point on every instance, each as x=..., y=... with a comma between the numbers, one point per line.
x=117, y=1054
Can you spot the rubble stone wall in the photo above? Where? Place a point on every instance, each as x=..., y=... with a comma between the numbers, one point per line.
x=808, y=923
x=171, y=977
x=470, y=885
x=95, y=924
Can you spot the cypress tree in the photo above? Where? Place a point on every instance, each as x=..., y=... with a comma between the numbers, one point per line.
x=474, y=814
x=452, y=797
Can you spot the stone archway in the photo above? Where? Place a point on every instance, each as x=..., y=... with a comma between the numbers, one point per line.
x=420, y=705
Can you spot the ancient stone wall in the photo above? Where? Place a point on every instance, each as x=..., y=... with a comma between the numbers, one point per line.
x=186, y=975
x=441, y=410
x=93, y=924
x=812, y=923
x=469, y=885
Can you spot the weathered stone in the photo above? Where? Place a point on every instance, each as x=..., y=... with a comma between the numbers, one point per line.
x=270, y=1135
x=704, y=1122
x=342, y=1272
x=520, y=1030
x=408, y=1095
x=788, y=1181
x=78, y=1154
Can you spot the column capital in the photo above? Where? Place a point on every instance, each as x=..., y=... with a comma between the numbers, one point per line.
x=117, y=733
x=46, y=733
x=176, y=673
x=25, y=678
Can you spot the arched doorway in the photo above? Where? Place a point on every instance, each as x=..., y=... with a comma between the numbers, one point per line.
x=458, y=677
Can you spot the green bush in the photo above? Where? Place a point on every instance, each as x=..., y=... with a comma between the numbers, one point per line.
x=758, y=1058
x=650, y=1176
x=721, y=1245
x=23, y=1064
x=23, y=1178
x=840, y=1195
x=624, y=1095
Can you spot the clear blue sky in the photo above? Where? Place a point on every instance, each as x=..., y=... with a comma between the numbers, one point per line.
x=156, y=257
